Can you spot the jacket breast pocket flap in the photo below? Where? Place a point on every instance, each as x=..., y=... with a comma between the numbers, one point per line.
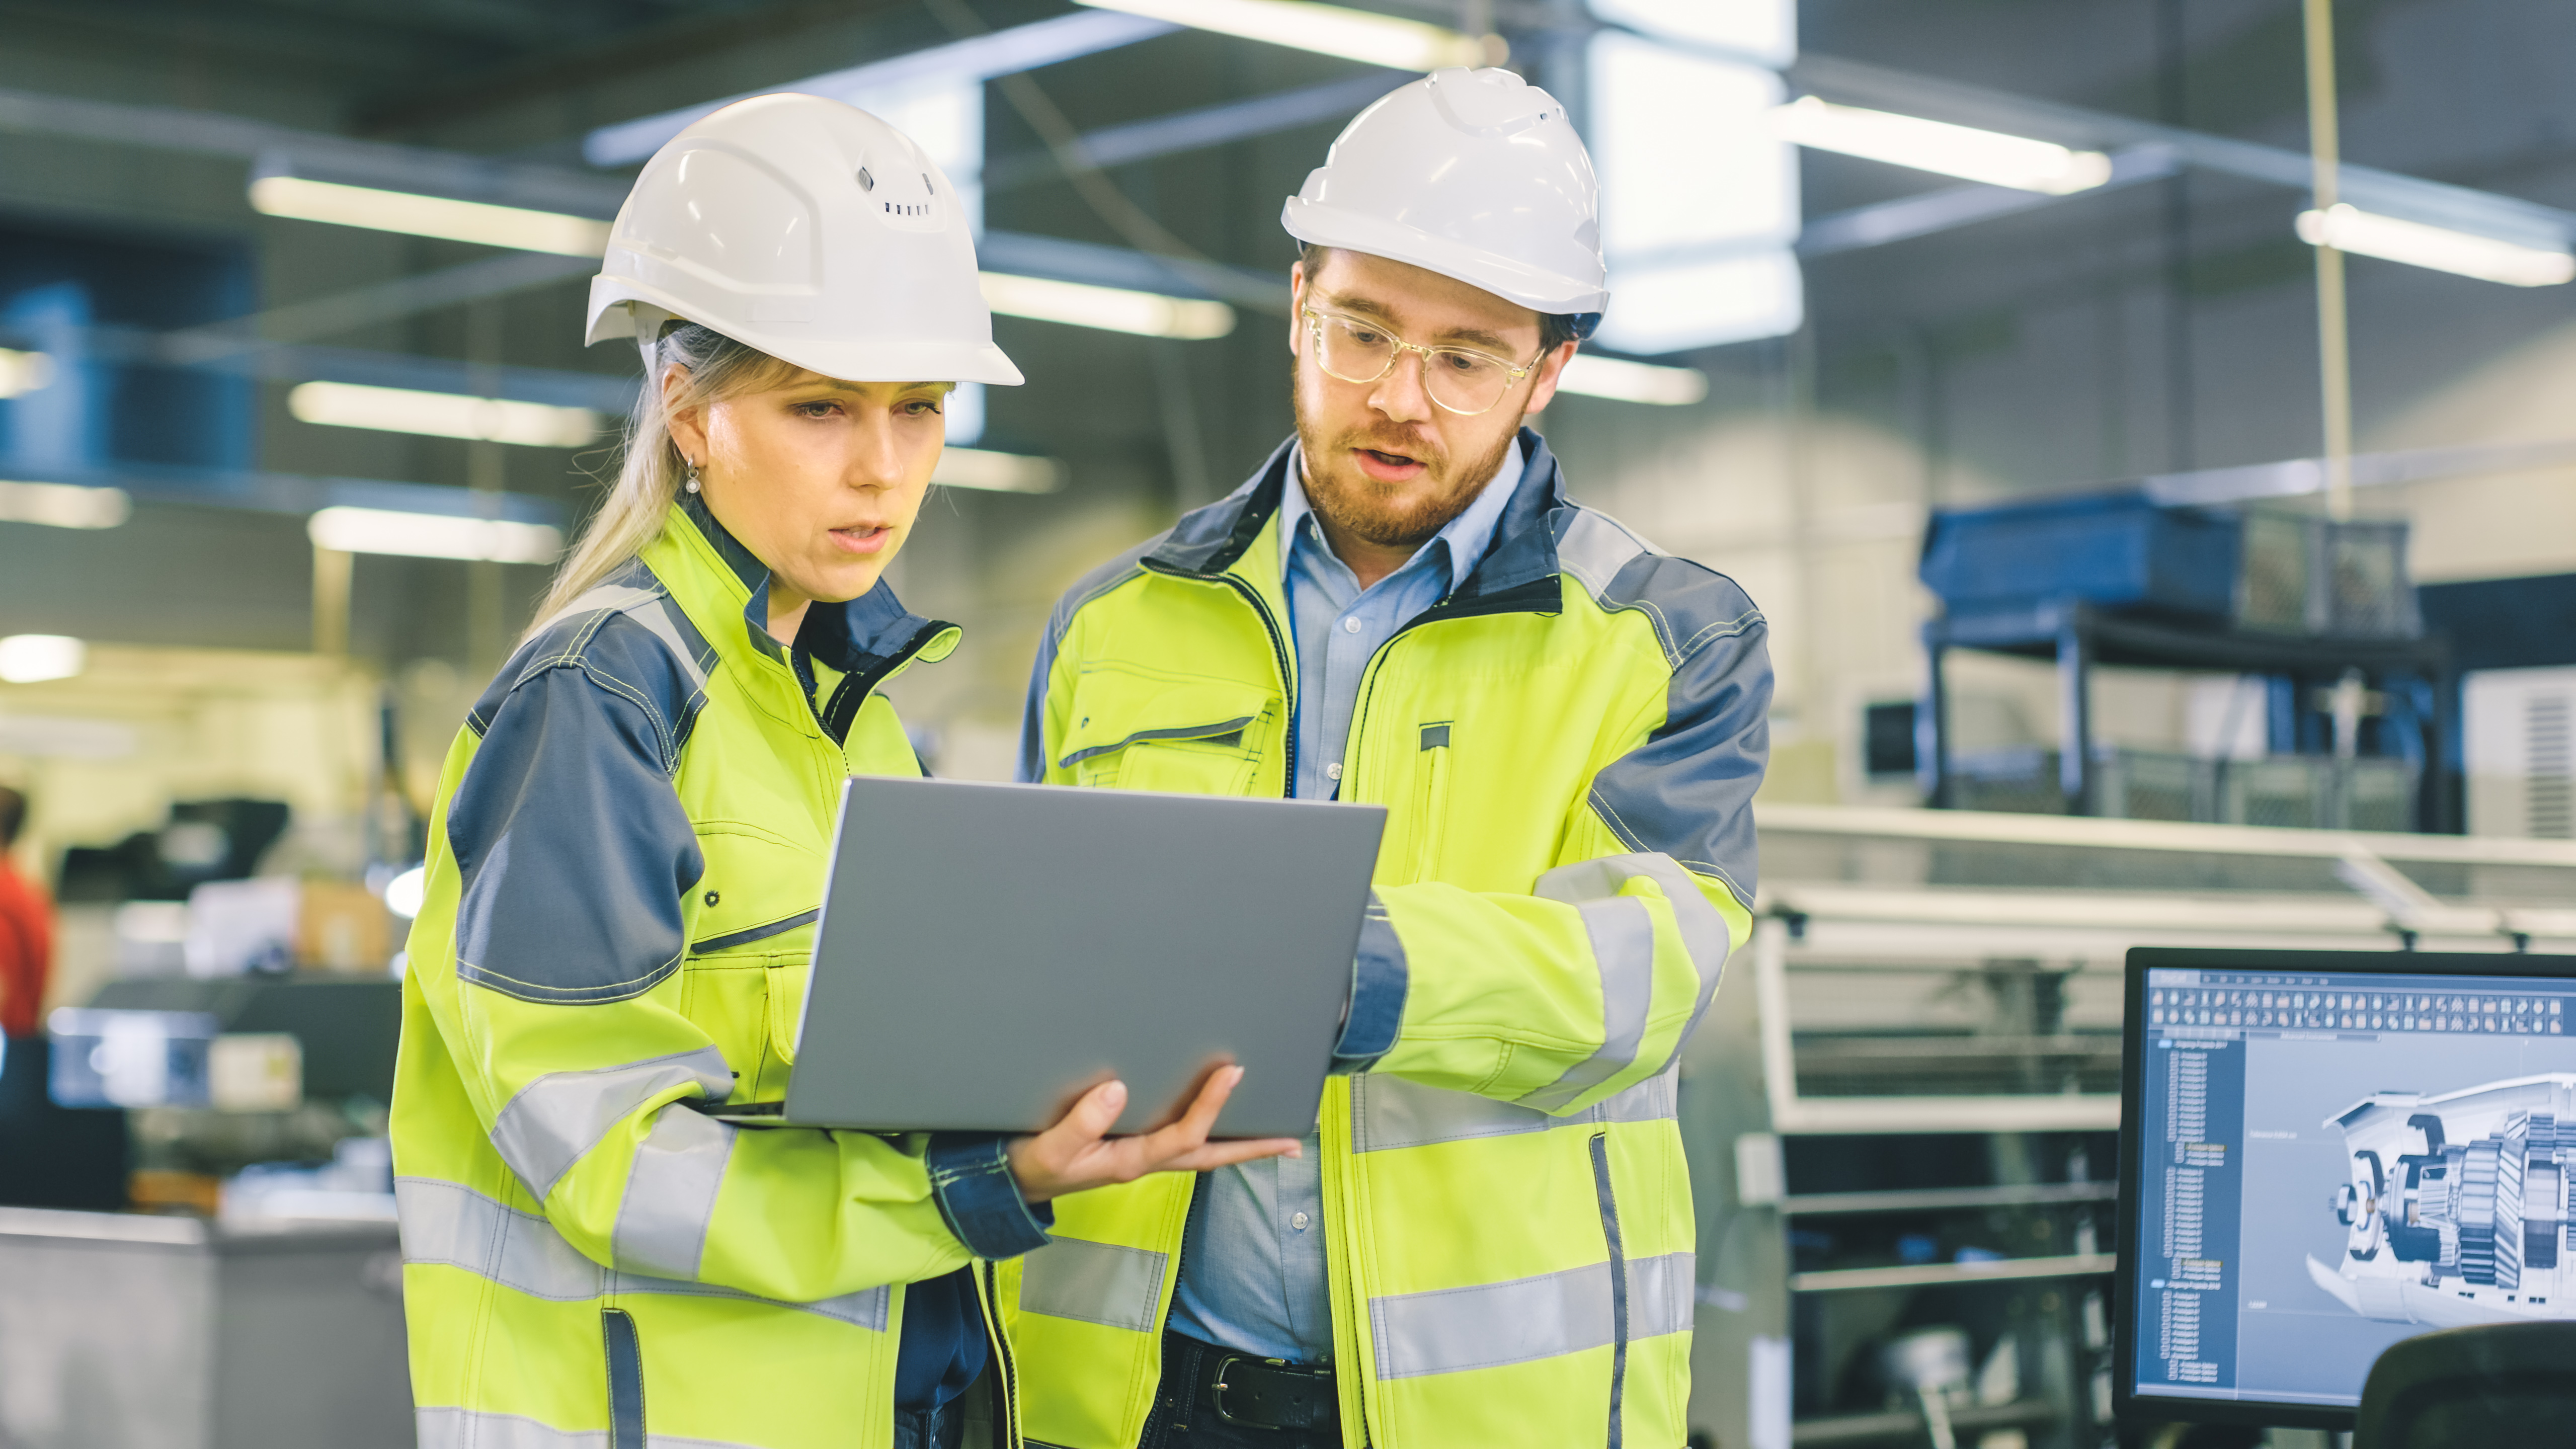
x=1195, y=737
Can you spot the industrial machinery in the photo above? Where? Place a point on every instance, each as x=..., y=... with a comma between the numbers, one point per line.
x=2458, y=1202
x=1901, y=1112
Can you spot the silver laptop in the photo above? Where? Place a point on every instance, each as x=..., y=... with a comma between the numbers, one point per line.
x=988, y=952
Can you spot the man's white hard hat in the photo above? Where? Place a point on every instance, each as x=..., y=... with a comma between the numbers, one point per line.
x=1474, y=174
x=810, y=230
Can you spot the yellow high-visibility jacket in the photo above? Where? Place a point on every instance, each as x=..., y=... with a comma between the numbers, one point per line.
x=625, y=864
x=1568, y=746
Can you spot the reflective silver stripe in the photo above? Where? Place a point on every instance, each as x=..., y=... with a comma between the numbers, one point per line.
x=1660, y=1294
x=465, y=1429
x=1703, y=932
x=440, y=1428
x=1451, y=1330
x=555, y=1119
x=1388, y=1112
x=1099, y=1283
x=453, y=1226
x=671, y=1195
x=657, y=618
x=599, y=599
x=1623, y=949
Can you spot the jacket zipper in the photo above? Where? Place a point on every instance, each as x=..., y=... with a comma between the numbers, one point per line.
x=1278, y=655
x=1010, y=1374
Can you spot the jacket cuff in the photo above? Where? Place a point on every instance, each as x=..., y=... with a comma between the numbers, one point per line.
x=970, y=1178
x=1379, y=977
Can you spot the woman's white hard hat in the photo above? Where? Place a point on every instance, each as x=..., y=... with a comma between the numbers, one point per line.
x=810, y=230
x=1474, y=174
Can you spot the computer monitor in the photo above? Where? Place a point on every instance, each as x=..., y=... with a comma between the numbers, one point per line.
x=2323, y=1152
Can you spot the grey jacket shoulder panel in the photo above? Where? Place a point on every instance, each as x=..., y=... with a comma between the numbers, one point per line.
x=573, y=850
x=1687, y=792
x=629, y=635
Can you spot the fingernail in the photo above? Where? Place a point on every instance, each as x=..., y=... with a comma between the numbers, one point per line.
x=1116, y=1092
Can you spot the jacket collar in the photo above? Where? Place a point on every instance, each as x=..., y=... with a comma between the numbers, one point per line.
x=859, y=637
x=1208, y=541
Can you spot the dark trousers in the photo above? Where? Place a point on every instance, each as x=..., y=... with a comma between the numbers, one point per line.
x=1175, y=1424
x=940, y=1428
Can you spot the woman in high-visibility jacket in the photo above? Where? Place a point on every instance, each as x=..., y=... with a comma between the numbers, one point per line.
x=627, y=855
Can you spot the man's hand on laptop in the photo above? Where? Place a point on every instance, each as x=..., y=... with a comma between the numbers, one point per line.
x=1077, y=1152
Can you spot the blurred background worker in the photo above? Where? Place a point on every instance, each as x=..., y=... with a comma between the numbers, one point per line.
x=26, y=929
x=1488, y=1240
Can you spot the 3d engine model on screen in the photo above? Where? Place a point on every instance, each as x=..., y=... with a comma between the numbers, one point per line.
x=2457, y=1207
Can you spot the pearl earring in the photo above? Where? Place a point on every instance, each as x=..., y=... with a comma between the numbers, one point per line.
x=692, y=483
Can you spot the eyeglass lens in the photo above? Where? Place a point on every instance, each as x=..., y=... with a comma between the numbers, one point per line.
x=1463, y=382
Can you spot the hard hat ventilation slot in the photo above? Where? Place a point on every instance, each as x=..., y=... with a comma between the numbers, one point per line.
x=866, y=182
x=892, y=209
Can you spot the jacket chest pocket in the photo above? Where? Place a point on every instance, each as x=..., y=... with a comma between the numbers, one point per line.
x=1196, y=738
x=751, y=933
x=1429, y=815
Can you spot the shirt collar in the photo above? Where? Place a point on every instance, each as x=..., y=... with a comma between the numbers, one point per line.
x=1467, y=535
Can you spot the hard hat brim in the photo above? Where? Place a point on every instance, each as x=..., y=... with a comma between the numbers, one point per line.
x=878, y=359
x=1318, y=224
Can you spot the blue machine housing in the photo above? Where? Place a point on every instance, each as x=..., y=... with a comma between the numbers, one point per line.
x=2118, y=550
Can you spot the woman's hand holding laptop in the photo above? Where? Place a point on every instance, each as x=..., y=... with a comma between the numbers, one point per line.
x=1076, y=1153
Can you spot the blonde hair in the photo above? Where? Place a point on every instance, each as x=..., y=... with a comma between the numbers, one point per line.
x=649, y=467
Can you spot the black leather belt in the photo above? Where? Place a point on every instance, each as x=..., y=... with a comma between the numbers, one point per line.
x=1266, y=1393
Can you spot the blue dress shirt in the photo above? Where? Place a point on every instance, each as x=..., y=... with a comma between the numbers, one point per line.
x=1252, y=1269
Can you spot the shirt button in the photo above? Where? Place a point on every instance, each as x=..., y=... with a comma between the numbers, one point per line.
x=1351, y=625
x=1298, y=1222
x=1333, y=772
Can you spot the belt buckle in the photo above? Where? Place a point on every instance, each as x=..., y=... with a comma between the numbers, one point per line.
x=1216, y=1391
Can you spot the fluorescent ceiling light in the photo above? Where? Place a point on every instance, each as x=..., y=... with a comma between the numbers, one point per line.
x=442, y=414
x=405, y=893
x=23, y=372
x=1962, y=151
x=1112, y=309
x=35, y=658
x=433, y=535
x=998, y=472
x=1636, y=382
x=1328, y=29
x=2347, y=228
x=967, y=63
x=438, y=216
x=63, y=505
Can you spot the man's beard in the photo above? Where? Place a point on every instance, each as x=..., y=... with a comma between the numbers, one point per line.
x=1351, y=502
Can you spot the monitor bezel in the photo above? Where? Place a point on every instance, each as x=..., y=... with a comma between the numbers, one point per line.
x=2126, y=1403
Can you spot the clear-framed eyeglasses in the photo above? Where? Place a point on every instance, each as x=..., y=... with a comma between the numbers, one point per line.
x=1459, y=379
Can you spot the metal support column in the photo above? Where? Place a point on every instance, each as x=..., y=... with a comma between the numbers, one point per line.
x=2075, y=708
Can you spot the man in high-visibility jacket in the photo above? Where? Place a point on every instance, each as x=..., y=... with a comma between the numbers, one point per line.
x=1489, y=1241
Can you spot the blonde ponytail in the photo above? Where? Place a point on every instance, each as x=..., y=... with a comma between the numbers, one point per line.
x=649, y=466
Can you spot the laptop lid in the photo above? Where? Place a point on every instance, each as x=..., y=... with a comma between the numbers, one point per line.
x=987, y=952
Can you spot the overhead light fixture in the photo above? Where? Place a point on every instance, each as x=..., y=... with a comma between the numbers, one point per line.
x=1636, y=382
x=35, y=658
x=434, y=535
x=416, y=214
x=998, y=472
x=1327, y=29
x=407, y=892
x=442, y=414
x=64, y=505
x=1112, y=309
x=1962, y=151
x=24, y=372
x=2348, y=228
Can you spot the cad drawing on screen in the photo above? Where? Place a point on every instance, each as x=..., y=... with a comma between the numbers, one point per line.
x=2456, y=1206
